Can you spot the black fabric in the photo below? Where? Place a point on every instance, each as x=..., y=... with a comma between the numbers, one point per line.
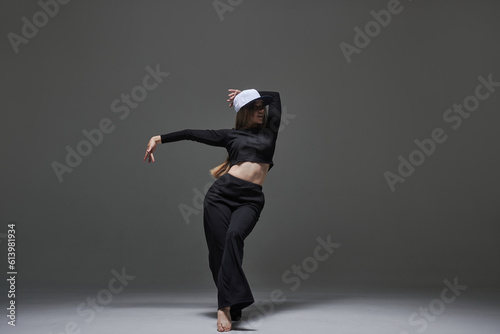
x=231, y=208
x=250, y=144
x=235, y=314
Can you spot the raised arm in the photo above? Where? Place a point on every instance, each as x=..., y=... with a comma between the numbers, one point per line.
x=274, y=112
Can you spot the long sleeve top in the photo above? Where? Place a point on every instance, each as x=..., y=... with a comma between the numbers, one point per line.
x=249, y=144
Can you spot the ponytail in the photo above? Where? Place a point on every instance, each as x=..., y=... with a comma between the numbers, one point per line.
x=220, y=170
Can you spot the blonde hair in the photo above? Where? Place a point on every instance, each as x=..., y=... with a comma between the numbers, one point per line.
x=243, y=120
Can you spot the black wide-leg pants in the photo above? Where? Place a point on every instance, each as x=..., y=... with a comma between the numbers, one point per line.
x=231, y=208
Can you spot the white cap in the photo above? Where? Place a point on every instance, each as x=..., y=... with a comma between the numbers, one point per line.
x=247, y=96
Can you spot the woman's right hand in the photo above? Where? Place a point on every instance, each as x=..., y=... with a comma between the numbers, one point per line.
x=151, y=148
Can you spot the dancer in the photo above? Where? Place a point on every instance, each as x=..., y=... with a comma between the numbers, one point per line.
x=233, y=204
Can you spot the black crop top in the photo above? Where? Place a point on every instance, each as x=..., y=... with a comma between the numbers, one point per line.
x=249, y=144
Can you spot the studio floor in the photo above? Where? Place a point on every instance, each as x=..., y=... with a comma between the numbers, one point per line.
x=324, y=310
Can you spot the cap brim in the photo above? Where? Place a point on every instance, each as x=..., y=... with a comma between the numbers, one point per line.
x=267, y=99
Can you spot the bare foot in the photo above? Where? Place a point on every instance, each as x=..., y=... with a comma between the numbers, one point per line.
x=223, y=320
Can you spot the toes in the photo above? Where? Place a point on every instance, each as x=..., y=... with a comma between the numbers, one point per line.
x=223, y=328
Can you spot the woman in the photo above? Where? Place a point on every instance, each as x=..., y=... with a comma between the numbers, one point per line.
x=233, y=204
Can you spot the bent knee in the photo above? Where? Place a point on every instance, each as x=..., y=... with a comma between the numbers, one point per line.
x=235, y=235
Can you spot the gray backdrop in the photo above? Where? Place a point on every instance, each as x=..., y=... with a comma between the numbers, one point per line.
x=348, y=116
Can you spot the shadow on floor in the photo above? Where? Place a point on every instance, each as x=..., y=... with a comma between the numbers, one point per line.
x=261, y=309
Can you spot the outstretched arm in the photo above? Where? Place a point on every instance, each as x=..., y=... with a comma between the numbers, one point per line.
x=209, y=137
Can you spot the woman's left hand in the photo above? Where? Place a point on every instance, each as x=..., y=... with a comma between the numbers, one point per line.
x=149, y=157
x=232, y=95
